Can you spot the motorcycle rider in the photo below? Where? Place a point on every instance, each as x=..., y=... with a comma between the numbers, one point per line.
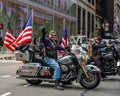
x=97, y=47
x=51, y=48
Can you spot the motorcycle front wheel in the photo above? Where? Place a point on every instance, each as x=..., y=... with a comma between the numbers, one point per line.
x=92, y=82
x=34, y=82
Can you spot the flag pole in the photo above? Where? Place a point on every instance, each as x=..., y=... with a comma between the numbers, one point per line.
x=53, y=16
x=63, y=24
x=69, y=16
x=32, y=25
x=76, y=17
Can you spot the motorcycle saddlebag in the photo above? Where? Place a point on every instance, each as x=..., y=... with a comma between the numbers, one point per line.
x=29, y=69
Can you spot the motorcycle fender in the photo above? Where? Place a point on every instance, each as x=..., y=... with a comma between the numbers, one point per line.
x=88, y=68
x=92, y=68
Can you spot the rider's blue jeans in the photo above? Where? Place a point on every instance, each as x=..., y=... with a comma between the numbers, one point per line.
x=52, y=63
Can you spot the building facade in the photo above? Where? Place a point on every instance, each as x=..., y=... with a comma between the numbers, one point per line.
x=98, y=17
x=107, y=18
x=86, y=17
x=47, y=13
x=79, y=14
x=116, y=32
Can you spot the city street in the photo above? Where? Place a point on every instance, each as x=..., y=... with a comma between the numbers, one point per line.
x=11, y=86
x=80, y=31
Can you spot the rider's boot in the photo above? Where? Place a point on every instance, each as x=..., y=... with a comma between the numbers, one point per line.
x=57, y=85
x=102, y=73
x=67, y=83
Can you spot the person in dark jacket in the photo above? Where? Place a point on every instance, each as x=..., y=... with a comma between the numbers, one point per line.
x=97, y=47
x=51, y=48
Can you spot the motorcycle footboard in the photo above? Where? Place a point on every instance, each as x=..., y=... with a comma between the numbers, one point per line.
x=35, y=78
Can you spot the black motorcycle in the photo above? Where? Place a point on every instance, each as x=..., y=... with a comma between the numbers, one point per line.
x=73, y=67
x=109, y=59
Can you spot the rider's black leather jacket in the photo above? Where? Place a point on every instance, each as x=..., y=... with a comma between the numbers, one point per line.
x=98, y=47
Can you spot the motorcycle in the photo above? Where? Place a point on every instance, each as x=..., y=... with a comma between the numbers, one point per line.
x=109, y=61
x=73, y=67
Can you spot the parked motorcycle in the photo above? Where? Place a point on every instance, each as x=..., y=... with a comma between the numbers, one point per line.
x=73, y=67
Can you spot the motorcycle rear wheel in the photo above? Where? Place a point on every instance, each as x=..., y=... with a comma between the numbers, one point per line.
x=92, y=82
x=34, y=82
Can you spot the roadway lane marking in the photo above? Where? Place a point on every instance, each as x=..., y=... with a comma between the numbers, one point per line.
x=6, y=76
x=118, y=63
x=6, y=94
x=26, y=85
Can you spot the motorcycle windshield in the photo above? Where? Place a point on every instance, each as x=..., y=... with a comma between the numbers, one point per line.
x=77, y=50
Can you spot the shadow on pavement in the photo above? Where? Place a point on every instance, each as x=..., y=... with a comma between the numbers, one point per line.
x=112, y=79
x=66, y=87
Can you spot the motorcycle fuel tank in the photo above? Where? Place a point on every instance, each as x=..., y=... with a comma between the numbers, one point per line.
x=66, y=60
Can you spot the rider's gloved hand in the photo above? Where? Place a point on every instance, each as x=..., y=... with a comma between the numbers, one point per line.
x=66, y=47
x=44, y=32
x=110, y=45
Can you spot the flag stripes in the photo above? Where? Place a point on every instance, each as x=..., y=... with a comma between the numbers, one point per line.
x=25, y=36
x=64, y=41
x=9, y=39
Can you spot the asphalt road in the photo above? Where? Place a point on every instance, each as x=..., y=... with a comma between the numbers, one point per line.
x=11, y=86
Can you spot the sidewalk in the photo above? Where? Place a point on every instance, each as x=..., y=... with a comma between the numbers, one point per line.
x=5, y=61
x=7, y=57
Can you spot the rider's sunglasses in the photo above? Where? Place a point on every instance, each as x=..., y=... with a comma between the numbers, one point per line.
x=53, y=35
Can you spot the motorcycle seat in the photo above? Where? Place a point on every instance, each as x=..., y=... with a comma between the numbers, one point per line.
x=40, y=61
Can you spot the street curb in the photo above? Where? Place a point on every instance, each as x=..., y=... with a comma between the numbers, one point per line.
x=7, y=57
x=5, y=61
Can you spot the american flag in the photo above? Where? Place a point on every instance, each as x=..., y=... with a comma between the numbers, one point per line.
x=25, y=36
x=64, y=41
x=8, y=40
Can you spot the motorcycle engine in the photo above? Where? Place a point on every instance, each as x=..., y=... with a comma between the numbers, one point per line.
x=66, y=68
